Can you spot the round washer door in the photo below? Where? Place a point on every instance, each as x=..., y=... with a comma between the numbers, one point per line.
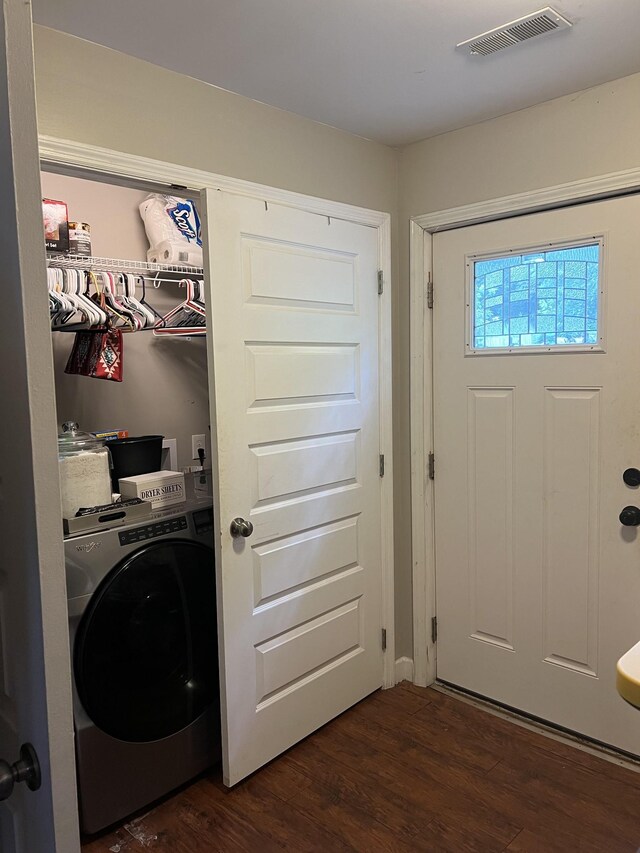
x=146, y=650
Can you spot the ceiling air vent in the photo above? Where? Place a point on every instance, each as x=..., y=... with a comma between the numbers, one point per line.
x=536, y=24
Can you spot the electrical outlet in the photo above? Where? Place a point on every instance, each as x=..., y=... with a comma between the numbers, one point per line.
x=197, y=442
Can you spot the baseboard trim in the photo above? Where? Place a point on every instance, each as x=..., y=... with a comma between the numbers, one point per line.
x=404, y=669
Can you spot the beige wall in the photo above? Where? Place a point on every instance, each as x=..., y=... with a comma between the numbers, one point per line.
x=581, y=135
x=95, y=95
x=577, y=136
x=123, y=103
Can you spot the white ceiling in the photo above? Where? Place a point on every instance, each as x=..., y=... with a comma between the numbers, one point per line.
x=384, y=70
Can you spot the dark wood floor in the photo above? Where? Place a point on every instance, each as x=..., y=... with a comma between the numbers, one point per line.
x=407, y=769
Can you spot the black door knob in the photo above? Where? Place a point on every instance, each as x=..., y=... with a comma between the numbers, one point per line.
x=630, y=516
x=631, y=477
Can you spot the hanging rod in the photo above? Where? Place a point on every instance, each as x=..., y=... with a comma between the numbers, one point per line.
x=118, y=265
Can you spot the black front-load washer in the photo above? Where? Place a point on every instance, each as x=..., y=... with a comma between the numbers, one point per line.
x=145, y=661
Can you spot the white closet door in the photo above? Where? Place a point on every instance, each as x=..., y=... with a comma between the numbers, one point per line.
x=35, y=690
x=294, y=348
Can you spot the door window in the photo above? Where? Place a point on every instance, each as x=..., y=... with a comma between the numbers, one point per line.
x=536, y=300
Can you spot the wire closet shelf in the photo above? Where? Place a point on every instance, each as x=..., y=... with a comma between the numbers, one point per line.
x=185, y=320
x=147, y=269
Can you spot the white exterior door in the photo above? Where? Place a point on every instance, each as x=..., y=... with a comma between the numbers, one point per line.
x=538, y=582
x=294, y=349
x=35, y=690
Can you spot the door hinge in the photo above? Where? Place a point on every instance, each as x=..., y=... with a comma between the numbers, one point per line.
x=434, y=629
x=382, y=464
x=432, y=466
x=384, y=639
x=429, y=292
x=380, y=282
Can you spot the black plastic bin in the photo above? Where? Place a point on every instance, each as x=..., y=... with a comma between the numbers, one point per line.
x=140, y=454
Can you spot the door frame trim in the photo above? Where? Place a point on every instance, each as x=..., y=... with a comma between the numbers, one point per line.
x=422, y=229
x=91, y=159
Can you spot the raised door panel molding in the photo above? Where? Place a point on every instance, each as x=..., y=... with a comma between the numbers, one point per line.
x=290, y=659
x=294, y=276
x=490, y=507
x=289, y=469
x=296, y=564
x=571, y=528
x=293, y=375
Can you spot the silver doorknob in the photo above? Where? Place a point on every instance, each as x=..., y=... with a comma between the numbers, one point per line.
x=240, y=527
x=26, y=769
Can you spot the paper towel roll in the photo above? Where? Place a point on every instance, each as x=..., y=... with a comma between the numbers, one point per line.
x=169, y=253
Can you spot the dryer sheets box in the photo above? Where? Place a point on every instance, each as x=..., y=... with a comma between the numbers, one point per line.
x=162, y=488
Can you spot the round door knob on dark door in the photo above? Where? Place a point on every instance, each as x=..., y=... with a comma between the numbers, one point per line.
x=26, y=769
x=630, y=516
x=239, y=527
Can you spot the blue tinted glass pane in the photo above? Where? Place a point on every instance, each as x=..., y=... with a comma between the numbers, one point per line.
x=546, y=324
x=518, y=326
x=537, y=299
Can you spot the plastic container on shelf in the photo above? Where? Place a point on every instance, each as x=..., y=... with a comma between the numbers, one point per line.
x=137, y=454
x=84, y=470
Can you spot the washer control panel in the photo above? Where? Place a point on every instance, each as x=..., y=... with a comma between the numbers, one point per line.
x=203, y=521
x=150, y=531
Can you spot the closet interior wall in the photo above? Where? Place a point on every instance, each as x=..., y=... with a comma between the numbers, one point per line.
x=165, y=380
